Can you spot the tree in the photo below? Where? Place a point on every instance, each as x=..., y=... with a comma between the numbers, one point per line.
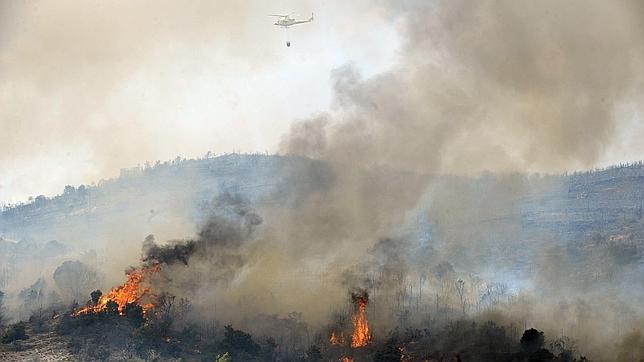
x=164, y=312
x=55, y=302
x=112, y=308
x=2, y=316
x=532, y=340
x=492, y=339
x=460, y=288
x=134, y=313
x=76, y=279
x=239, y=342
x=33, y=296
x=564, y=347
x=96, y=295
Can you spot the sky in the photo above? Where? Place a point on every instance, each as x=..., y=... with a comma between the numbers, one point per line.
x=88, y=88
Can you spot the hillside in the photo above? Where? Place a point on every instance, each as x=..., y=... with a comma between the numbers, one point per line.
x=500, y=235
x=518, y=214
x=165, y=192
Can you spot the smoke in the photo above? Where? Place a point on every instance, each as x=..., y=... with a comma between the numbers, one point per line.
x=495, y=86
x=501, y=86
x=400, y=205
x=216, y=255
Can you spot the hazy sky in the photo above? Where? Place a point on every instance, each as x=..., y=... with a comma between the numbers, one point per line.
x=89, y=87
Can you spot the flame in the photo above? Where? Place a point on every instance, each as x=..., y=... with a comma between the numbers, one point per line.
x=337, y=339
x=346, y=359
x=404, y=357
x=132, y=291
x=361, y=336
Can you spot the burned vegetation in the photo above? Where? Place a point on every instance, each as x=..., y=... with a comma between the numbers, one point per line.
x=142, y=320
x=158, y=312
x=163, y=330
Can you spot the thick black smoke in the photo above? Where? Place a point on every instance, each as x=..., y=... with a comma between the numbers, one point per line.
x=217, y=245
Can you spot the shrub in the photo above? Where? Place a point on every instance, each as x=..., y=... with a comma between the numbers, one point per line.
x=314, y=354
x=532, y=340
x=239, y=342
x=96, y=295
x=67, y=324
x=389, y=352
x=134, y=313
x=15, y=332
x=111, y=308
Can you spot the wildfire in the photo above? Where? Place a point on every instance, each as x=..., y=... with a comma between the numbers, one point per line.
x=133, y=290
x=337, y=339
x=361, y=336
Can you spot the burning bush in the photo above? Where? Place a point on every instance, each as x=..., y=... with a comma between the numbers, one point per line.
x=135, y=290
x=361, y=335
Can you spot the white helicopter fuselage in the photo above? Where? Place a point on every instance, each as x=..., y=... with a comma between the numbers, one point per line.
x=287, y=21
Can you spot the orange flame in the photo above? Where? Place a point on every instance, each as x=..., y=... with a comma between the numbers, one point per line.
x=337, y=339
x=132, y=291
x=361, y=336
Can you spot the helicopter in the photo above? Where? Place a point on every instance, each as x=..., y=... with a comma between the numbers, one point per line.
x=284, y=21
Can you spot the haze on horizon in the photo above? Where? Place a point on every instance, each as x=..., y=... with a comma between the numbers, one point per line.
x=88, y=88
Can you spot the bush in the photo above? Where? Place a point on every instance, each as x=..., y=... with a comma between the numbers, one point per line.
x=67, y=325
x=389, y=352
x=112, y=308
x=239, y=342
x=314, y=354
x=134, y=313
x=268, y=350
x=15, y=332
x=532, y=340
x=96, y=295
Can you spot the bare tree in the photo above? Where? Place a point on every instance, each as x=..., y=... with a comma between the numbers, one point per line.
x=2, y=316
x=460, y=288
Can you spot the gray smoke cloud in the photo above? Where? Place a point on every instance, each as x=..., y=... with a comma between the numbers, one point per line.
x=502, y=86
x=490, y=86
